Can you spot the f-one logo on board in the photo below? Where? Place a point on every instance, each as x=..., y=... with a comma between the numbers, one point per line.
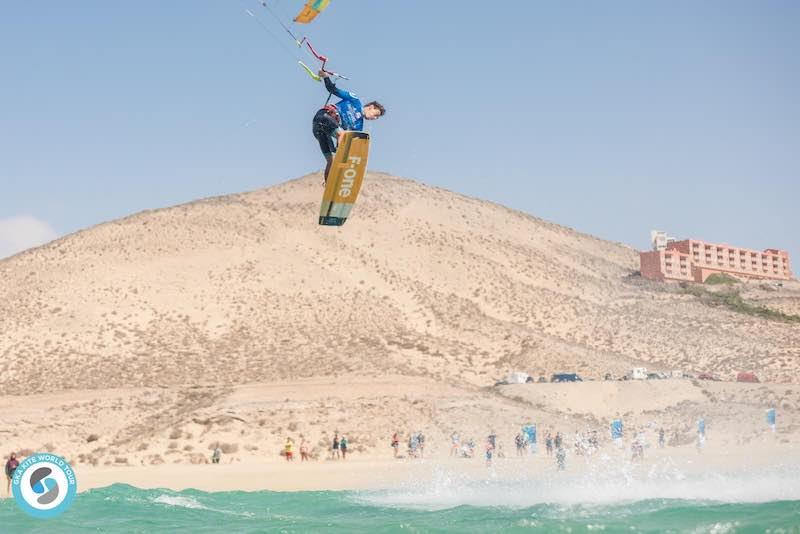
x=349, y=177
x=44, y=485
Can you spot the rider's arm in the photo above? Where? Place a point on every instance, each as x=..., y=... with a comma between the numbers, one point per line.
x=341, y=93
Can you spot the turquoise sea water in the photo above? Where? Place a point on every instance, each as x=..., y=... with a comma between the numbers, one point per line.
x=125, y=509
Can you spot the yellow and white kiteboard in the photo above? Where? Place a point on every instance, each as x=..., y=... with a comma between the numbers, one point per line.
x=345, y=177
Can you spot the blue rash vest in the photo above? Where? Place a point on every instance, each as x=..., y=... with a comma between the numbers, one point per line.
x=350, y=109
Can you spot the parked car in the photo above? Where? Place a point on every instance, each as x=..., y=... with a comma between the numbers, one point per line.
x=638, y=373
x=745, y=376
x=566, y=377
x=707, y=376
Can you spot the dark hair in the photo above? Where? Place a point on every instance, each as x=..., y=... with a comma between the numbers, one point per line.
x=378, y=105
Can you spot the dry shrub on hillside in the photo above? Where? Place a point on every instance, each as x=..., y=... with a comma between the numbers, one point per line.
x=88, y=459
x=197, y=458
x=229, y=448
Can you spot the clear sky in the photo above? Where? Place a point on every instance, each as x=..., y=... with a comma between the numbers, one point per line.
x=613, y=117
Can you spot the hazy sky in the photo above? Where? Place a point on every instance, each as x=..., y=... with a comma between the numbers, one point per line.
x=611, y=117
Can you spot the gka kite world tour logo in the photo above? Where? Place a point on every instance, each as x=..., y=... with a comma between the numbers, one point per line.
x=44, y=485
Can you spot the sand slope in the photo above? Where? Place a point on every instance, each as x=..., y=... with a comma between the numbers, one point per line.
x=420, y=282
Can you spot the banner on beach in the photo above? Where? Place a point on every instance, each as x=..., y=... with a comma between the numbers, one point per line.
x=530, y=433
x=771, y=415
x=616, y=429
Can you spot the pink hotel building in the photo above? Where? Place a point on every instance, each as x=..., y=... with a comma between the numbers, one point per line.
x=695, y=261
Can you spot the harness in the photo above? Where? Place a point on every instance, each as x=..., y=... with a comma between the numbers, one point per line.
x=333, y=112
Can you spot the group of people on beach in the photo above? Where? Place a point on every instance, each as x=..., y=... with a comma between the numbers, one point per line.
x=459, y=449
x=339, y=447
x=584, y=443
x=338, y=450
x=415, y=448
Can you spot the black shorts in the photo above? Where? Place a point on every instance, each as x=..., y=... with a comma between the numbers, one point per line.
x=324, y=129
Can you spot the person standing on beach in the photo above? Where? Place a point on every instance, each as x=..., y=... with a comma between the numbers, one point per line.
x=561, y=458
x=421, y=443
x=335, y=447
x=455, y=444
x=11, y=466
x=413, y=442
x=492, y=438
x=701, y=434
x=343, y=447
x=303, y=450
x=661, y=438
x=520, y=443
x=395, y=443
x=216, y=455
x=288, y=449
x=548, y=443
x=489, y=452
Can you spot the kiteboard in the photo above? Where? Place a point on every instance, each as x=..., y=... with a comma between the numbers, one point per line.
x=344, y=179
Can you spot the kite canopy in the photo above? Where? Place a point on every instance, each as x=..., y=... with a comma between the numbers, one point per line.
x=311, y=10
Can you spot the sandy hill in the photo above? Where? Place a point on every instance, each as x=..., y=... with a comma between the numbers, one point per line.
x=420, y=282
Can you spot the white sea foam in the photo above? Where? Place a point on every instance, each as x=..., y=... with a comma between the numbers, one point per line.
x=181, y=501
x=608, y=482
x=185, y=501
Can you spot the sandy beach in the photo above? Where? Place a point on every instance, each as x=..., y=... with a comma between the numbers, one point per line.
x=370, y=474
x=112, y=436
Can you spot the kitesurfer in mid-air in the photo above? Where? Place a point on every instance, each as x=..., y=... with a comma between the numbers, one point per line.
x=333, y=120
